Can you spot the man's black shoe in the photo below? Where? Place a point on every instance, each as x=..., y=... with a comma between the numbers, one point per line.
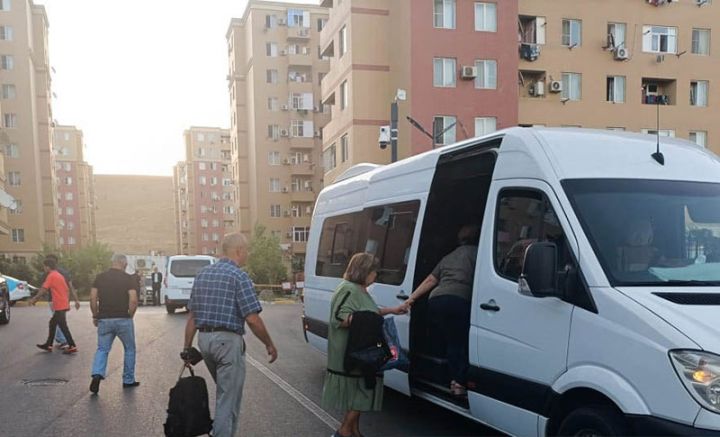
x=131, y=385
x=95, y=384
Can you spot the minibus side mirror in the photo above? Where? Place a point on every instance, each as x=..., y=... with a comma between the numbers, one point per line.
x=539, y=275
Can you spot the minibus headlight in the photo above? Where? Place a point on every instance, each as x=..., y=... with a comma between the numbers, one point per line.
x=700, y=372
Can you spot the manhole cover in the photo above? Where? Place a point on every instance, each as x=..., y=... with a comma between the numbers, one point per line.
x=44, y=382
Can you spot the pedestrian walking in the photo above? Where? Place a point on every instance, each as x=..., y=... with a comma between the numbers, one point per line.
x=56, y=285
x=348, y=391
x=113, y=302
x=156, y=280
x=60, y=340
x=223, y=299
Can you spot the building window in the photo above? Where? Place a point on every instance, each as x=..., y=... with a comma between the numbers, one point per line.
x=300, y=234
x=273, y=131
x=274, y=158
x=270, y=21
x=329, y=158
x=701, y=41
x=616, y=35
x=274, y=185
x=572, y=86
x=444, y=129
x=273, y=104
x=485, y=125
x=71, y=240
x=571, y=33
x=67, y=166
x=4, y=5
x=298, y=18
x=7, y=62
x=486, y=17
x=659, y=39
x=342, y=43
x=68, y=196
x=202, y=180
x=344, y=95
x=444, y=14
x=699, y=93
x=12, y=151
x=213, y=181
x=615, y=89
x=18, y=207
x=699, y=137
x=70, y=225
x=14, y=179
x=271, y=49
x=275, y=211
x=18, y=235
x=202, y=166
x=344, y=148
x=444, y=72
x=6, y=33
x=663, y=132
x=321, y=22
x=10, y=120
x=68, y=180
x=69, y=211
x=301, y=128
x=272, y=76
x=487, y=74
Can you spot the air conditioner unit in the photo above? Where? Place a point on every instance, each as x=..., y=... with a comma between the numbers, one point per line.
x=307, y=185
x=556, y=86
x=287, y=213
x=285, y=190
x=285, y=107
x=621, y=53
x=289, y=235
x=306, y=158
x=469, y=72
x=537, y=89
x=283, y=132
x=318, y=134
x=308, y=210
x=286, y=161
x=283, y=52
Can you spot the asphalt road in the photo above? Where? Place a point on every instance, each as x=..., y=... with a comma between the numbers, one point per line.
x=280, y=399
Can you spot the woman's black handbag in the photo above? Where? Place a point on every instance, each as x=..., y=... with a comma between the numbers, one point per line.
x=367, y=351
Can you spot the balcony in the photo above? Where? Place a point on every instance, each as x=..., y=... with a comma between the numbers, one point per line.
x=302, y=196
x=299, y=33
x=300, y=59
x=302, y=169
x=300, y=86
x=298, y=247
x=659, y=91
x=302, y=142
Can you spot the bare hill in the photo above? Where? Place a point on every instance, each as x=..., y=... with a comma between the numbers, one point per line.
x=135, y=213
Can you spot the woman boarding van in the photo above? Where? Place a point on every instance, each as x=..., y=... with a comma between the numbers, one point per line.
x=181, y=272
x=596, y=293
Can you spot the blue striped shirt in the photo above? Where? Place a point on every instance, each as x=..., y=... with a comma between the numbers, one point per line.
x=223, y=296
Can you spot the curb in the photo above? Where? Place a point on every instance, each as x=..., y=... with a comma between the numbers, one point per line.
x=279, y=302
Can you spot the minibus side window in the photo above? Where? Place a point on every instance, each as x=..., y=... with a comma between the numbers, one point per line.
x=339, y=241
x=525, y=217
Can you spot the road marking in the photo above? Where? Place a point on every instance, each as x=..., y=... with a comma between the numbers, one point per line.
x=295, y=394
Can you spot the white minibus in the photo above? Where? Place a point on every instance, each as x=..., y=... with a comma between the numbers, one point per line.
x=595, y=305
x=181, y=271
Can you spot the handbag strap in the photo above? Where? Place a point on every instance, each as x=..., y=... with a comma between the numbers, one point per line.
x=186, y=366
x=342, y=302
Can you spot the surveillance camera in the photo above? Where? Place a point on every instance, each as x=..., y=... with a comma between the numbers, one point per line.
x=384, y=138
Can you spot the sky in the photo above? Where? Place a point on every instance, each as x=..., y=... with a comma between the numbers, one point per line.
x=133, y=75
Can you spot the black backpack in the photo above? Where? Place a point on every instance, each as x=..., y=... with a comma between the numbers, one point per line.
x=188, y=409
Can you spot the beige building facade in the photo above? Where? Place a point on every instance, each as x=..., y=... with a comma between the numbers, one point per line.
x=75, y=191
x=277, y=118
x=615, y=64
x=204, y=192
x=26, y=123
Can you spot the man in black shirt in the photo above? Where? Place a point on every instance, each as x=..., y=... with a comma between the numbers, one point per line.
x=157, y=278
x=113, y=301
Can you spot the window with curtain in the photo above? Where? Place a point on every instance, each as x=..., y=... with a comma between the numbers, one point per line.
x=701, y=42
x=571, y=32
x=444, y=72
x=486, y=17
x=444, y=14
x=572, y=86
x=487, y=74
x=616, y=89
x=699, y=93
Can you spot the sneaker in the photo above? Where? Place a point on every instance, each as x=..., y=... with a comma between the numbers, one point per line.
x=95, y=384
x=70, y=350
x=131, y=385
x=45, y=347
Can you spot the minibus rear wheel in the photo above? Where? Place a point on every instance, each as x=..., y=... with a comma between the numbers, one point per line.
x=594, y=421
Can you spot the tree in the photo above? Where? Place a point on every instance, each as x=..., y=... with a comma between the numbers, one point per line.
x=265, y=263
x=84, y=264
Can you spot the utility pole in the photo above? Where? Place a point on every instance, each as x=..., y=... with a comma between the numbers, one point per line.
x=393, y=130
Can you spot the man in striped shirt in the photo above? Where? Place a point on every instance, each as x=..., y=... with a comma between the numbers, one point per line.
x=223, y=299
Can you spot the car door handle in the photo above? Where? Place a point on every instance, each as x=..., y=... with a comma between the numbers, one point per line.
x=402, y=296
x=490, y=306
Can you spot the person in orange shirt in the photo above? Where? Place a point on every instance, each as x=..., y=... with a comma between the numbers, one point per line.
x=57, y=286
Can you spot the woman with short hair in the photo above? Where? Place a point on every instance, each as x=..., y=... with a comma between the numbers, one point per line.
x=342, y=390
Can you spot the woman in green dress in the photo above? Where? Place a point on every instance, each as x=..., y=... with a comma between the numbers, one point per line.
x=342, y=392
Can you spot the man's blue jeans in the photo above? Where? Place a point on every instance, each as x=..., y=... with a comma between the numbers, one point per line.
x=108, y=329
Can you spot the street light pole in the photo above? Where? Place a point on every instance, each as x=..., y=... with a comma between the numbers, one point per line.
x=393, y=130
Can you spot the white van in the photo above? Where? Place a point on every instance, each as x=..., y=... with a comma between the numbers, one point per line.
x=181, y=271
x=611, y=331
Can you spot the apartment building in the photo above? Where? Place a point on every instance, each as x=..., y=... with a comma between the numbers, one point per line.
x=614, y=64
x=454, y=60
x=26, y=125
x=204, y=193
x=277, y=117
x=75, y=191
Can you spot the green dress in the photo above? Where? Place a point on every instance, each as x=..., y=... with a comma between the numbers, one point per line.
x=345, y=392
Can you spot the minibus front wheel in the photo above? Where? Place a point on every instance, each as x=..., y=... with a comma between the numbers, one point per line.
x=593, y=421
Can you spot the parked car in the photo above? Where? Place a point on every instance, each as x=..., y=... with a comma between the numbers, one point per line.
x=4, y=302
x=17, y=288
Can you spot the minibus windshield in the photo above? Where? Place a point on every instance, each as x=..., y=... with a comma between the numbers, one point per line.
x=187, y=268
x=651, y=232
